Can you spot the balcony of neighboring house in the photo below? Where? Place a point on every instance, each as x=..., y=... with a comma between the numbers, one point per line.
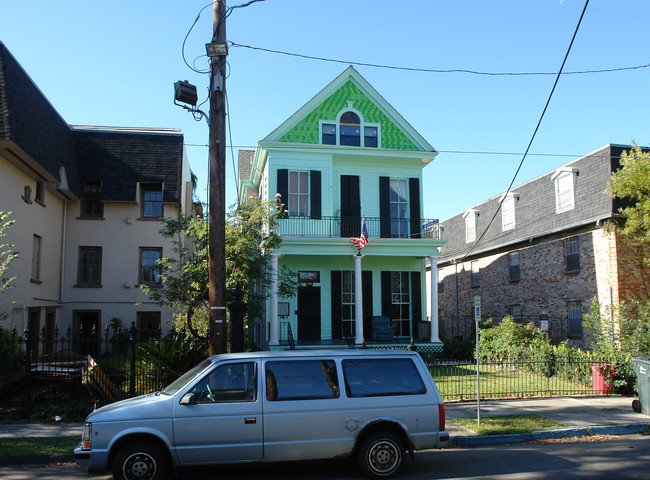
x=376, y=227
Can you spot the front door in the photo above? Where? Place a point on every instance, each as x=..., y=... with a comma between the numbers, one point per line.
x=308, y=313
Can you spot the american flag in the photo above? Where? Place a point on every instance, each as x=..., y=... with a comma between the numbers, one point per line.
x=363, y=239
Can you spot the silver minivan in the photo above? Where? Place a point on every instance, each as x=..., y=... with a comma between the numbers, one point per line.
x=273, y=407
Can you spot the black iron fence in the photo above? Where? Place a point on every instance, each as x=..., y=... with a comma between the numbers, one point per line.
x=82, y=370
x=533, y=377
x=68, y=372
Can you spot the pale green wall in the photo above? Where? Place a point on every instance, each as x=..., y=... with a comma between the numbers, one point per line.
x=326, y=264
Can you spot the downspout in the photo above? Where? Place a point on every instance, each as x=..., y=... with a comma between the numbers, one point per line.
x=62, y=256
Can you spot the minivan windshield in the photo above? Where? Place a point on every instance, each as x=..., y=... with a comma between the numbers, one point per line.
x=177, y=384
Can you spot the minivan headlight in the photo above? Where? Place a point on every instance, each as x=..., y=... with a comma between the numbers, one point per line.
x=86, y=437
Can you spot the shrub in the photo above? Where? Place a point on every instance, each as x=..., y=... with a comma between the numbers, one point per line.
x=621, y=332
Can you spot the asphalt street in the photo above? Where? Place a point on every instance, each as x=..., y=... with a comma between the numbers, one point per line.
x=625, y=457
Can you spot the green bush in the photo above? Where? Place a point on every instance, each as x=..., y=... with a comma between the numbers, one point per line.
x=507, y=341
x=621, y=332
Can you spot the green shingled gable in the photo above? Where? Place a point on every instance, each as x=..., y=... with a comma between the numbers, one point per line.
x=307, y=130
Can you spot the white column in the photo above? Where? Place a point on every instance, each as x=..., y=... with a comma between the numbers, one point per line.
x=358, y=301
x=433, y=308
x=273, y=310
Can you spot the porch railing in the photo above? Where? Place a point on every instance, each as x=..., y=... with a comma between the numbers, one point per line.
x=351, y=227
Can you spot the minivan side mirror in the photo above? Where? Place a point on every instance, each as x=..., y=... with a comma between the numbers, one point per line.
x=188, y=399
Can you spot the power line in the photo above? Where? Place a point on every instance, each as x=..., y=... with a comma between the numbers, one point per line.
x=548, y=101
x=434, y=70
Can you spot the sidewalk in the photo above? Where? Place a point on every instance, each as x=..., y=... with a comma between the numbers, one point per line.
x=584, y=416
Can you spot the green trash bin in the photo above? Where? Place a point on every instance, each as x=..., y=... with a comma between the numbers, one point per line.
x=642, y=370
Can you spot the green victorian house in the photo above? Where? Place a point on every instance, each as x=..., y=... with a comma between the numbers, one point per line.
x=348, y=166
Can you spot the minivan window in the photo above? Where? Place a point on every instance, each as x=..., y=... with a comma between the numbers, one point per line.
x=301, y=380
x=177, y=384
x=381, y=377
x=232, y=382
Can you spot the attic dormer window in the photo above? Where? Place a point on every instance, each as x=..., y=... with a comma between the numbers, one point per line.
x=350, y=130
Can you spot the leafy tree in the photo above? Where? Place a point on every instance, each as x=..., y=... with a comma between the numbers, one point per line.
x=251, y=234
x=7, y=255
x=631, y=183
x=620, y=335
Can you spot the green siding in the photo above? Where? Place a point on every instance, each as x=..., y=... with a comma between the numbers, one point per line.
x=308, y=129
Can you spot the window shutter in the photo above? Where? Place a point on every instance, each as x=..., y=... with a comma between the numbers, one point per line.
x=350, y=206
x=366, y=278
x=315, y=193
x=384, y=206
x=386, y=301
x=416, y=300
x=414, y=203
x=283, y=189
x=336, y=305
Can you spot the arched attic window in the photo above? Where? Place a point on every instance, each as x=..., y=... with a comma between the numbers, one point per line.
x=350, y=130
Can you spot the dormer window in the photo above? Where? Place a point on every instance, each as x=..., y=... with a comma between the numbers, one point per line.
x=471, y=224
x=565, y=187
x=508, y=211
x=351, y=130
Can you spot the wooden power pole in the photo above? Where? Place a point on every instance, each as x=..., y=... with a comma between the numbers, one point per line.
x=217, y=191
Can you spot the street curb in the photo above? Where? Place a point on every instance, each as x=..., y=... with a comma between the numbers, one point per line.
x=471, y=441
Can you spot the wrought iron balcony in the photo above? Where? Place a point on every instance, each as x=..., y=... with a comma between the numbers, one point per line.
x=351, y=227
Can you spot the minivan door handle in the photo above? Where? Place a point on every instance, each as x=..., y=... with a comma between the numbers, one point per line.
x=250, y=420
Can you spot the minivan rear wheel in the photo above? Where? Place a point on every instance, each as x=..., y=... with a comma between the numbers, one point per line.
x=141, y=460
x=380, y=455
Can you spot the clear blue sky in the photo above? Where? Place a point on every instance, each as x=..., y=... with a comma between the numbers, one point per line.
x=114, y=63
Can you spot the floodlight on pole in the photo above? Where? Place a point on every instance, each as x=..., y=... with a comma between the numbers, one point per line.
x=185, y=93
x=216, y=49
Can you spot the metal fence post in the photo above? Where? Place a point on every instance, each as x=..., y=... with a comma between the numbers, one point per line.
x=132, y=339
x=27, y=386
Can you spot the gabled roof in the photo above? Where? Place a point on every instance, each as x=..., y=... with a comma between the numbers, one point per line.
x=350, y=86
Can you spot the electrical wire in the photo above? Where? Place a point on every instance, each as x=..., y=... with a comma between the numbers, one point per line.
x=432, y=70
x=548, y=101
x=185, y=41
x=232, y=149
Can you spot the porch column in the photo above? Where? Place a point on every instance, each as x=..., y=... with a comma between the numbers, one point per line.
x=434, y=300
x=358, y=301
x=273, y=310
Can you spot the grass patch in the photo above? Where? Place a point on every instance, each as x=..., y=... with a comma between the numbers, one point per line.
x=37, y=445
x=458, y=382
x=507, y=424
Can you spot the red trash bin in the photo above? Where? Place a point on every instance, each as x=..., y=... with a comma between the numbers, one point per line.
x=600, y=372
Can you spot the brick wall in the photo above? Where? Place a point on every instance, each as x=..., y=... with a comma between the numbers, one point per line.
x=610, y=269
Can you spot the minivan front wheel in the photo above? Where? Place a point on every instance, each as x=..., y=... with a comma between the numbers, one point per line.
x=140, y=460
x=380, y=455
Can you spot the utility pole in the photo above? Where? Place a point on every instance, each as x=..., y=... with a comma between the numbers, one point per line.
x=217, y=192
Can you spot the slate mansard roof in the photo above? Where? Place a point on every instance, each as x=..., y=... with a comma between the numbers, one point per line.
x=37, y=140
x=535, y=213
